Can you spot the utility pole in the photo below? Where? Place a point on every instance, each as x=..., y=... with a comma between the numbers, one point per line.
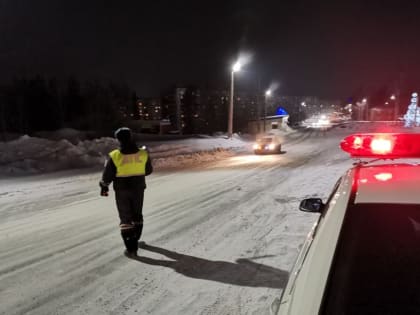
x=267, y=94
x=396, y=105
x=397, y=97
x=367, y=112
x=230, y=121
x=236, y=67
x=259, y=104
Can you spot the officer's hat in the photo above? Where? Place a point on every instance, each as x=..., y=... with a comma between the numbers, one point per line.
x=123, y=134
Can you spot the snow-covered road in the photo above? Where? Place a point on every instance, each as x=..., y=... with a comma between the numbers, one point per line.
x=220, y=237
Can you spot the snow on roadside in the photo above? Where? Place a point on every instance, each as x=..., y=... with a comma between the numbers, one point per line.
x=68, y=149
x=32, y=155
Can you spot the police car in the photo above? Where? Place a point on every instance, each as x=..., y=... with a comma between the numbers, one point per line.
x=362, y=256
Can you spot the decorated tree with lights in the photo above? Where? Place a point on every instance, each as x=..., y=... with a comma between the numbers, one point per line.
x=412, y=116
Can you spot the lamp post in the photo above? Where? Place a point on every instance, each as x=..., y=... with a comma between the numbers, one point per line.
x=366, y=108
x=236, y=67
x=267, y=95
x=394, y=98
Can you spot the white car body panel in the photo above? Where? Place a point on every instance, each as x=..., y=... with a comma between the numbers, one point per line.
x=304, y=291
x=388, y=183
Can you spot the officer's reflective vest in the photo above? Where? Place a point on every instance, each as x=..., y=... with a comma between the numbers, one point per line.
x=129, y=164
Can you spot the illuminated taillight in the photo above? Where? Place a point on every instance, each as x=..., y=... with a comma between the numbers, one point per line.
x=271, y=146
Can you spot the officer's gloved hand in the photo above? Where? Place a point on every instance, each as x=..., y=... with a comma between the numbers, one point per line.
x=104, y=189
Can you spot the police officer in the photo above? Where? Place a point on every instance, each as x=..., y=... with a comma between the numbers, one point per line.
x=127, y=168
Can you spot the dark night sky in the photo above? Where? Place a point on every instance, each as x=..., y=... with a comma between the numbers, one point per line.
x=309, y=47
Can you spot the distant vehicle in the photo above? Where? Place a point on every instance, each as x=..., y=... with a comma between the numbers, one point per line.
x=322, y=122
x=362, y=256
x=267, y=144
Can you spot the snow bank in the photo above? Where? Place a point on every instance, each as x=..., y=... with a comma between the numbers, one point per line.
x=33, y=155
x=72, y=135
x=72, y=149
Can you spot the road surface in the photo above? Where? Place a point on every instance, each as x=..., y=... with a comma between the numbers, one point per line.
x=220, y=237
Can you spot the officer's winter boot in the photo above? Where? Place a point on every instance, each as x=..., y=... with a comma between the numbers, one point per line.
x=130, y=240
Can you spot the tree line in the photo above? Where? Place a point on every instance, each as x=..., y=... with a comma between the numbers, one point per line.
x=35, y=104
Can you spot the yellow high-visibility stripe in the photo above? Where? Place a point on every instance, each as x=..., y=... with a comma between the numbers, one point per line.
x=129, y=164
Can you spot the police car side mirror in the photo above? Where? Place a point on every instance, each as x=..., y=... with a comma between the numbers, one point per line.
x=311, y=205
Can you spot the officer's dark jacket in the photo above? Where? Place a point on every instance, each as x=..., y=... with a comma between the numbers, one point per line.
x=126, y=183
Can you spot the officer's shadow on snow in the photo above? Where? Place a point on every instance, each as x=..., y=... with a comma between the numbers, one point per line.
x=243, y=273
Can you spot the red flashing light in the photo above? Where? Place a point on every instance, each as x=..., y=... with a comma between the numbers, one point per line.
x=382, y=145
x=357, y=142
x=385, y=145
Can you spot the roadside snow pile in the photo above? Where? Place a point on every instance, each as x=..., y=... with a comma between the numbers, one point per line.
x=181, y=160
x=72, y=135
x=31, y=155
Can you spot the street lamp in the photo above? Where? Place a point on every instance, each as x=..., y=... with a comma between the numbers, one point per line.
x=236, y=67
x=267, y=95
x=366, y=108
x=394, y=98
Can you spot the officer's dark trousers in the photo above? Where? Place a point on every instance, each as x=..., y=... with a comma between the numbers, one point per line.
x=130, y=207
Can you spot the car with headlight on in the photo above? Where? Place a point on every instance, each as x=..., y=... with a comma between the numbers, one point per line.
x=362, y=256
x=267, y=144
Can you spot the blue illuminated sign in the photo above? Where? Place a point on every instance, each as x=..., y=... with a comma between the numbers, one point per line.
x=281, y=111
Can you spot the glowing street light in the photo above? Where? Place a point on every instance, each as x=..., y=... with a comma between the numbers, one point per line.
x=392, y=97
x=235, y=68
